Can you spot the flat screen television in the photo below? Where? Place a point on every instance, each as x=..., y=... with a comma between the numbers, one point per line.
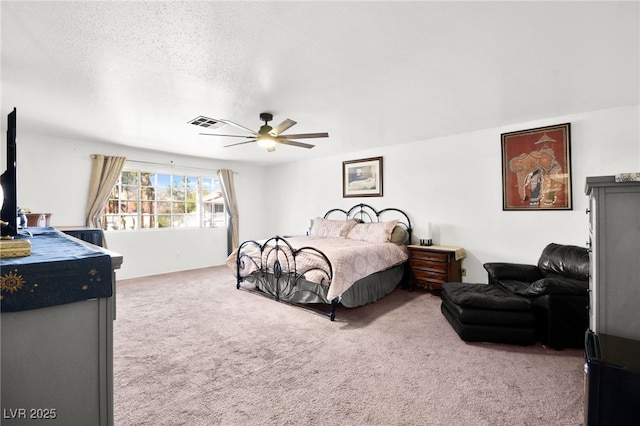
x=9, y=211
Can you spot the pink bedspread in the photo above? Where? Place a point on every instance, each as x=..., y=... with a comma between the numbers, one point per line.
x=350, y=260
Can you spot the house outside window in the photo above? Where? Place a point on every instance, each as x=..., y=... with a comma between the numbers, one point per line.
x=148, y=200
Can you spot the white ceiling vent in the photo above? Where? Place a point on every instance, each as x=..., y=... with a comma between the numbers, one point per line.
x=207, y=122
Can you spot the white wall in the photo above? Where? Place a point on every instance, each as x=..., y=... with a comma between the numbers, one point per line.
x=53, y=177
x=455, y=183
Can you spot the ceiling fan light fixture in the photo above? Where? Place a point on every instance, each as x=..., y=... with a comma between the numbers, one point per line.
x=266, y=141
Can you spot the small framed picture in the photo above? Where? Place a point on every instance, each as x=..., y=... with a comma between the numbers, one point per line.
x=362, y=178
x=536, y=169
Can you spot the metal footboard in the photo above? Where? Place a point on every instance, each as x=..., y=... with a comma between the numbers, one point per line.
x=279, y=273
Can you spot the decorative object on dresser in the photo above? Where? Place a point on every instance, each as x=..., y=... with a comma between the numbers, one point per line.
x=614, y=242
x=536, y=169
x=17, y=247
x=85, y=233
x=38, y=219
x=432, y=266
x=351, y=257
x=627, y=177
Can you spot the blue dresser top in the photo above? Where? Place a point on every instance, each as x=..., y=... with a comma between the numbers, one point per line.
x=59, y=270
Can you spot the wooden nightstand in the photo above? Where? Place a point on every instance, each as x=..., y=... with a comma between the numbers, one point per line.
x=432, y=266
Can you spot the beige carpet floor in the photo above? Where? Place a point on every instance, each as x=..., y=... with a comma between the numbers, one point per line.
x=191, y=349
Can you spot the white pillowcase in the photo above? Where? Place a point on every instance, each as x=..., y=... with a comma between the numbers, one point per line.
x=374, y=232
x=327, y=228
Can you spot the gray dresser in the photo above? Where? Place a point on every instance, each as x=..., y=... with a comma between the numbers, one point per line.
x=614, y=240
x=58, y=308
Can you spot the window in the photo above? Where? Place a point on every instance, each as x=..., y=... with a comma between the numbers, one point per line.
x=145, y=200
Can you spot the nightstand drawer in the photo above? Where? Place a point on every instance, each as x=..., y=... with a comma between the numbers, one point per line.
x=429, y=265
x=431, y=276
x=430, y=256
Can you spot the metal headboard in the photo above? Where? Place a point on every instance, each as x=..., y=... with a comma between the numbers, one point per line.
x=365, y=213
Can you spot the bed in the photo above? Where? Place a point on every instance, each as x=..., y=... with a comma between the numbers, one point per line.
x=348, y=257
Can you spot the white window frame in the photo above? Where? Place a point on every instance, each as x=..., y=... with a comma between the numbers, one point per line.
x=164, y=209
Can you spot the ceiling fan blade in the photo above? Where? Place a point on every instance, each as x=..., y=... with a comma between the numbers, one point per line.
x=241, y=143
x=304, y=136
x=239, y=126
x=295, y=143
x=286, y=124
x=226, y=136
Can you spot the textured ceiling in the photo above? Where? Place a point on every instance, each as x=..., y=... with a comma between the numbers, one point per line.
x=368, y=73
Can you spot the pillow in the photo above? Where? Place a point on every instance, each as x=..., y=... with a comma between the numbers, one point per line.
x=374, y=232
x=327, y=228
x=399, y=235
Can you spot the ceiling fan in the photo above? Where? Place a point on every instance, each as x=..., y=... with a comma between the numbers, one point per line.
x=267, y=137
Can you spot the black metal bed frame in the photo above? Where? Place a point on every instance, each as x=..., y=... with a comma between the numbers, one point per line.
x=277, y=268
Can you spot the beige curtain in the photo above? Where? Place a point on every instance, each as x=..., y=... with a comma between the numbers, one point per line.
x=104, y=175
x=231, y=204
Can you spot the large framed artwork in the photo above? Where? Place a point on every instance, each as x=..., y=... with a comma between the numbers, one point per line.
x=536, y=169
x=362, y=178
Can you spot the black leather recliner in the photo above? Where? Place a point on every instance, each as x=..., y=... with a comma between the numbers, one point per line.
x=558, y=288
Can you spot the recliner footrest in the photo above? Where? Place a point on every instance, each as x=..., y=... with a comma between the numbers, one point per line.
x=481, y=312
x=484, y=296
x=468, y=315
x=489, y=333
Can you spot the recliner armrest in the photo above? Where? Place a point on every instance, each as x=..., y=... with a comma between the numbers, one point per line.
x=559, y=285
x=512, y=271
